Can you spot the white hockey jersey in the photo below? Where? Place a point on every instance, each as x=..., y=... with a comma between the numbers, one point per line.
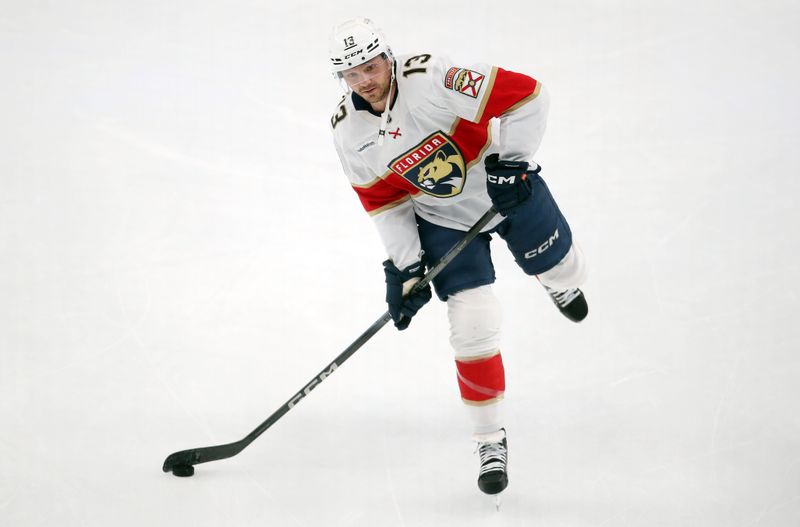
x=442, y=124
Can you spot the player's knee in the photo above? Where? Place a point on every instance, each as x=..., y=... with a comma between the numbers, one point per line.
x=569, y=273
x=475, y=320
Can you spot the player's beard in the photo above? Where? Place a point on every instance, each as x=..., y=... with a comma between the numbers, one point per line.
x=378, y=93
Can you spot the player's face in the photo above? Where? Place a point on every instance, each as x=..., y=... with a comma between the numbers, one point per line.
x=370, y=80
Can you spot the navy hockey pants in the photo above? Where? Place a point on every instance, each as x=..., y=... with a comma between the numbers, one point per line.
x=537, y=235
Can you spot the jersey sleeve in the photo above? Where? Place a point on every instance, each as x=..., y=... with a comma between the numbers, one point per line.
x=397, y=229
x=391, y=209
x=480, y=92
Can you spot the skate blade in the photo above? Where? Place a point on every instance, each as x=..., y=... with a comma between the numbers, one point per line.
x=498, y=501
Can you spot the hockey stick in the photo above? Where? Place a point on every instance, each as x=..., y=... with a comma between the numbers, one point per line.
x=182, y=463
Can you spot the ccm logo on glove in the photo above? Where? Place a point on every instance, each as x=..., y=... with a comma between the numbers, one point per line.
x=507, y=183
x=502, y=180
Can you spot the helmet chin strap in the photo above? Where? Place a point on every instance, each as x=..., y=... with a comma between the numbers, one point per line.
x=385, y=114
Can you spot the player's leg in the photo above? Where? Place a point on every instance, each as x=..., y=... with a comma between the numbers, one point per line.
x=475, y=319
x=541, y=240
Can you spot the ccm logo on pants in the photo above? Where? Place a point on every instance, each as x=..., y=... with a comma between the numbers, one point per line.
x=543, y=247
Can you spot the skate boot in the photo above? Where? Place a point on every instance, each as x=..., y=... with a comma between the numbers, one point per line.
x=493, y=451
x=571, y=303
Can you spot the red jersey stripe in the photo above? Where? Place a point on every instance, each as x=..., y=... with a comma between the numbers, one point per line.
x=384, y=193
x=472, y=139
x=506, y=90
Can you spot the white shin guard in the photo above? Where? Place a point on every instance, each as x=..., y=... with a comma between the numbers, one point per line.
x=475, y=319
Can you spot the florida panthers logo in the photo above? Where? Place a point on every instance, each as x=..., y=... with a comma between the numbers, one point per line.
x=435, y=166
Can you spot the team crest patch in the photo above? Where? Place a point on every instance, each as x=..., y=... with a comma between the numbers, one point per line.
x=435, y=166
x=464, y=81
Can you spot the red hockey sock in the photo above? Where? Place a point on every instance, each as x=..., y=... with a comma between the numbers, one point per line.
x=481, y=381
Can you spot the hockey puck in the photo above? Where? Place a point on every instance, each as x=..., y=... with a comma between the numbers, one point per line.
x=183, y=471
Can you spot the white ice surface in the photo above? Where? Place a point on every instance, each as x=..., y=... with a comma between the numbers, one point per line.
x=179, y=253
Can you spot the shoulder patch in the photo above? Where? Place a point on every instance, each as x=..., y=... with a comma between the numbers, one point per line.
x=464, y=81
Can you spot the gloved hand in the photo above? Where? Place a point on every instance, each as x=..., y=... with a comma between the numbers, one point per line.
x=507, y=183
x=403, y=306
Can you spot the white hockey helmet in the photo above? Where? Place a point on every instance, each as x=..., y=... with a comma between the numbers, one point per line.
x=355, y=42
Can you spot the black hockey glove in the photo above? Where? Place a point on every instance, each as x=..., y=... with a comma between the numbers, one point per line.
x=507, y=183
x=403, y=306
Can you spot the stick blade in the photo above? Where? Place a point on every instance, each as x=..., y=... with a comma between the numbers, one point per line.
x=184, y=457
x=194, y=456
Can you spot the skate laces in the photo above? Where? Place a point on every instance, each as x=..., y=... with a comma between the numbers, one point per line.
x=493, y=456
x=563, y=298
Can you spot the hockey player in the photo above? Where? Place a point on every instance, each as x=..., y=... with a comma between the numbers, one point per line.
x=429, y=145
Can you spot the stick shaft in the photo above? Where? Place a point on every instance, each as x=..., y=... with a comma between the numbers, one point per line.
x=213, y=453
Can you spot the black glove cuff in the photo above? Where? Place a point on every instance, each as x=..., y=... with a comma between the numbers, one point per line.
x=396, y=276
x=493, y=163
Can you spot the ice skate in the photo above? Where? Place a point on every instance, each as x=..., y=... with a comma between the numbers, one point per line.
x=571, y=303
x=493, y=451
